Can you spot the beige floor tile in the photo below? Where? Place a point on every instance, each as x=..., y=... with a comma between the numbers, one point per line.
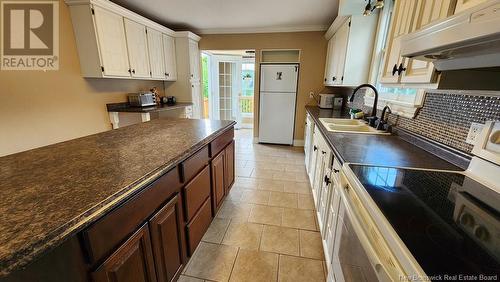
x=216, y=230
x=255, y=266
x=295, y=168
x=297, y=187
x=286, y=200
x=255, y=197
x=271, y=185
x=280, y=240
x=300, y=269
x=244, y=235
x=243, y=171
x=302, y=219
x=261, y=173
x=311, y=245
x=211, y=261
x=306, y=202
x=266, y=215
x=235, y=210
x=184, y=278
x=235, y=194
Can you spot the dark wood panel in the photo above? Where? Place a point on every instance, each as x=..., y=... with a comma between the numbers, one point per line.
x=229, y=167
x=196, y=192
x=133, y=261
x=221, y=141
x=194, y=164
x=197, y=227
x=166, y=236
x=65, y=263
x=101, y=238
x=218, y=191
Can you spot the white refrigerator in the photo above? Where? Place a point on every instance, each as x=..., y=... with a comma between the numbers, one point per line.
x=278, y=96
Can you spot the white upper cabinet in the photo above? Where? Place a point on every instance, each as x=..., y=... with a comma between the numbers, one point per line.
x=169, y=56
x=409, y=16
x=155, y=47
x=137, y=45
x=194, y=60
x=113, y=46
x=114, y=42
x=349, y=51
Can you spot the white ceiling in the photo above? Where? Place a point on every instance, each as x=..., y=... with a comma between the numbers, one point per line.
x=235, y=16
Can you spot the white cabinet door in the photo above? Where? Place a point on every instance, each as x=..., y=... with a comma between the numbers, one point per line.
x=112, y=43
x=169, y=56
x=155, y=47
x=330, y=63
x=331, y=222
x=466, y=4
x=194, y=61
x=314, y=156
x=137, y=49
x=307, y=141
x=341, y=40
x=196, y=98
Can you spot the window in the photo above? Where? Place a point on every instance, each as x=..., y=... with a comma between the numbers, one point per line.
x=248, y=74
x=403, y=100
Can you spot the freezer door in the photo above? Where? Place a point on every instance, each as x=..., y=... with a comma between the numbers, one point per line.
x=279, y=78
x=277, y=117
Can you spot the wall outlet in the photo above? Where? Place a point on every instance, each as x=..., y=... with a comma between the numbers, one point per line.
x=474, y=131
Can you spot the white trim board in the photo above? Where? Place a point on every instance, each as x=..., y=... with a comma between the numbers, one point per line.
x=263, y=29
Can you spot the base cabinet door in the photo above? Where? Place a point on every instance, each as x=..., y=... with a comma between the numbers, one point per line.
x=166, y=236
x=218, y=179
x=132, y=261
x=229, y=167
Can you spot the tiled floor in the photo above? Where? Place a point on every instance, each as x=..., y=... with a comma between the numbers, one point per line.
x=266, y=229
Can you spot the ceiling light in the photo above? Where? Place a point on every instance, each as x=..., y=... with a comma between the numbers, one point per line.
x=379, y=4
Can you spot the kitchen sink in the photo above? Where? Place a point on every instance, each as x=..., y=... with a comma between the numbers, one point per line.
x=349, y=126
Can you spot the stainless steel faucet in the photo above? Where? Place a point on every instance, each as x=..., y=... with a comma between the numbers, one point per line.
x=373, y=118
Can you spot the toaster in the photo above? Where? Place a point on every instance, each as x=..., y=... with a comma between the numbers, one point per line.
x=141, y=99
x=330, y=101
x=326, y=101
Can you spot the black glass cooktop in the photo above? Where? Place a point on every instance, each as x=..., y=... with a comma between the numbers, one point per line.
x=449, y=222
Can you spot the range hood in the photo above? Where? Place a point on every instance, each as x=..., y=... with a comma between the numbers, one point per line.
x=469, y=39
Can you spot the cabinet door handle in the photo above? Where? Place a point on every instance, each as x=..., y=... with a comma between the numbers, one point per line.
x=323, y=152
x=315, y=148
x=129, y=70
x=325, y=79
x=334, y=78
x=336, y=170
x=133, y=71
x=401, y=69
x=394, y=69
x=327, y=180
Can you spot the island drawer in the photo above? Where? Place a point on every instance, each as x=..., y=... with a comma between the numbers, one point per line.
x=194, y=164
x=221, y=141
x=196, y=192
x=197, y=227
x=102, y=237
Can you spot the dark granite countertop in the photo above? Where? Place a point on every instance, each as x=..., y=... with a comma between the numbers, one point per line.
x=126, y=108
x=381, y=150
x=50, y=193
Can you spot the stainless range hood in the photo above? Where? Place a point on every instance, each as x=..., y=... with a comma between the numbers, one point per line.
x=469, y=39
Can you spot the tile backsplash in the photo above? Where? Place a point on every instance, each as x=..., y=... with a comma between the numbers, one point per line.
x=447, y=115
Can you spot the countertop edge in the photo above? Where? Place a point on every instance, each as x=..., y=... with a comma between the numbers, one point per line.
x=32, y=252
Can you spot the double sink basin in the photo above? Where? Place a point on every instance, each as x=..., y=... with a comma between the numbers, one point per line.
x=350, y=126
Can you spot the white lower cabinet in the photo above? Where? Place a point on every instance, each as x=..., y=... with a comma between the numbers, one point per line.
x=324, y=174
x=308, y=136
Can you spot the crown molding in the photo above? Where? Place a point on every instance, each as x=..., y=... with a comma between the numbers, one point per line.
x=301, y=28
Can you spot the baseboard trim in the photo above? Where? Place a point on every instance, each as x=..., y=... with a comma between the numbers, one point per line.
x=298, y=143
